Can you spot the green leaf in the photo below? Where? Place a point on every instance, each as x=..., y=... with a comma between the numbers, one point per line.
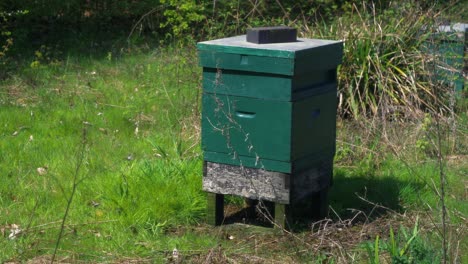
x=393, y=248
x=413, y=236
x=376, y=250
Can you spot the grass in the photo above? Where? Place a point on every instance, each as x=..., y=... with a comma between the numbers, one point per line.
x=139, y=194
x=141, y=171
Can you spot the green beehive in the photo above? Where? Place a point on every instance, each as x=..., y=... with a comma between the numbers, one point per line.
x=448, y=43
x=269, y=117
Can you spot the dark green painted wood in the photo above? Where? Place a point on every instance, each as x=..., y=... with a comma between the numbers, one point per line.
x=215, y=209
x=268, y=134
x=244, y=62
x=305, y=85
x=267, y=164
x=250, y=162
x=266, y=86
x=292, y=58
x=314, y=125
x=323, y=203
x=324, y=58
x=248, y=84
x=311, y=208
x=243, y=126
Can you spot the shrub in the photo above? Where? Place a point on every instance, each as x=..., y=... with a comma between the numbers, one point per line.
x=5, y=35
x=385, y=70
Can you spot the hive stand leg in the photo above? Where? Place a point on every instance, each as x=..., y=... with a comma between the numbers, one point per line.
x=280, y=216
x=215, y=209
x=313, y=208
x=251, y=205
x=323, y=203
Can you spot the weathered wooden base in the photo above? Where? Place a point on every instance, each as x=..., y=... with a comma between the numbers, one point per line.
x=296, y=196
x=259, y=184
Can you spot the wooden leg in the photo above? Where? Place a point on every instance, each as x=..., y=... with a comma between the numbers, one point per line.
x=323, y=203
x=250, y=205
x=280, y=215
x=215, y=209
x=318, y=208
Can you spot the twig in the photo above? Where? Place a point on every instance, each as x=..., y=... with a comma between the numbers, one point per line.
x=80, y=159
x=356, y=146
x=442, y=190
x=51, y=225
x=111, y=105
x=377, y=205
x=141, y=19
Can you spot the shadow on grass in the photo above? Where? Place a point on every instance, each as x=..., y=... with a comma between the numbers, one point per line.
x=371, y=196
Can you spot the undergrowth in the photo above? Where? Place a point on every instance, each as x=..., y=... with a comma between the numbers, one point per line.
x=138, y=192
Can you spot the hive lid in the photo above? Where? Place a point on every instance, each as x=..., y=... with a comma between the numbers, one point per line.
x=239, y=45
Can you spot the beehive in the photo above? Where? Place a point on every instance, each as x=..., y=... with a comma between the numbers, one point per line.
x=268, y=118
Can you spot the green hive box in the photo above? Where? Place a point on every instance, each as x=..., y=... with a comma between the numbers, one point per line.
x=271, y=109
x=448, y=44
x=269, y=106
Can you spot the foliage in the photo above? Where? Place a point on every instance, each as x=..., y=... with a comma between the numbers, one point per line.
x=5, y=34
x=6, y=41
x=404, y=248
x=180, y=17
x=385, y=71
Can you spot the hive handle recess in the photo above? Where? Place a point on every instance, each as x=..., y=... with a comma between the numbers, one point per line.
x=243, y=114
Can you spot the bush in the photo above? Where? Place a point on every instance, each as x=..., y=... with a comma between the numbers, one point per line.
x=6, y=41
x=385, y=70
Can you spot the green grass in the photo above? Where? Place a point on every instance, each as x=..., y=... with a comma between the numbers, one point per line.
x=139, y=194
x=142, y=158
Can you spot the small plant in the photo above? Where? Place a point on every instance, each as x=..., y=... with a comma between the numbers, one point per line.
x=373, y=251
x=423, y=143
x=403, y=248
x=398, y=254
x=45, y=55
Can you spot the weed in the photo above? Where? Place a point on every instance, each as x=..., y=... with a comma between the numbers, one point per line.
x=403, y=248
